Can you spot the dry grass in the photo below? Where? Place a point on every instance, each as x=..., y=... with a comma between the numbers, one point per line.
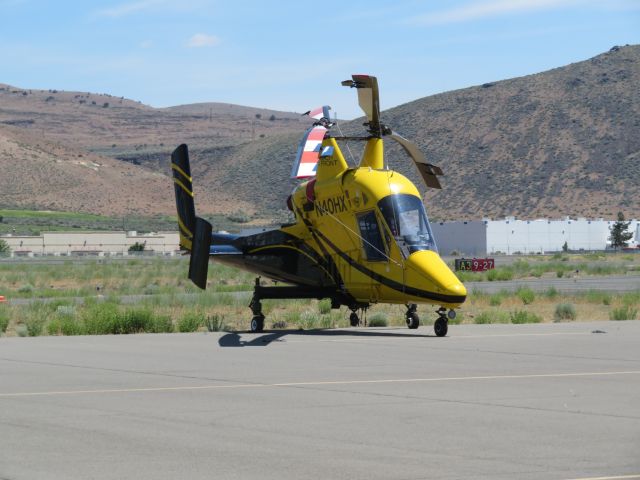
x=167, y=304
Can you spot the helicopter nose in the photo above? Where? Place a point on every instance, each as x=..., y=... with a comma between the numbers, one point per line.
x=457, y=288
x=427, y=271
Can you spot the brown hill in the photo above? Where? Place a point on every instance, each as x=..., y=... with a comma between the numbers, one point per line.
x=562, y=142
x=61, y=150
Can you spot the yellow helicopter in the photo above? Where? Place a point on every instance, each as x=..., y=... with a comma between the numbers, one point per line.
x=360, y=237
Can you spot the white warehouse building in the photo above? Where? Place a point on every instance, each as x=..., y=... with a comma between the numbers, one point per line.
x=90, y=243
x=512, y=236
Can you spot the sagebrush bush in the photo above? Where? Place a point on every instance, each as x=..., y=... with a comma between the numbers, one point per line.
x=191, y=321
x=308, y=320
x=100, y=318
x=378, y=320
x=324, y=306
x=4, y=320
x=526, y=295
x=551, y=292
x=500, y=274
x=492, y=316
x=522, y=316
x=625, y=312
x=496, y=299
x=564, y=311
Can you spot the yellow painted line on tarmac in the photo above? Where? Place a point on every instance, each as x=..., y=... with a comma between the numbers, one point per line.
x=381, y=339
x=522, y=335
x=622, y=477
x=316, y=383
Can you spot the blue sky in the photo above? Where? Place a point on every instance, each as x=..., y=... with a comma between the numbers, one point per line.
x=291, y=55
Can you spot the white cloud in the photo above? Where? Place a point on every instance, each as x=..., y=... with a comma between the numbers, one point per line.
x=493, y=8
x=203, y=40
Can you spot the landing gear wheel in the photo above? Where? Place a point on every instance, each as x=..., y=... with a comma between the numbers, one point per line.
x=413, y=320
x=354, y=320
x=441, y=326
x=257, y=323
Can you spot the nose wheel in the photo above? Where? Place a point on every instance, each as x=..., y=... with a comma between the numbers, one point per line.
x=354, y=320
x=441, y=325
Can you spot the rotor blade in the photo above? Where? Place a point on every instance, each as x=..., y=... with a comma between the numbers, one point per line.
x=429, y=175
x=411, y=148
x=368, y=98
x=428, y=171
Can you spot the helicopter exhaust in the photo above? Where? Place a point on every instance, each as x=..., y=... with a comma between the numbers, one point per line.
x=195, y=232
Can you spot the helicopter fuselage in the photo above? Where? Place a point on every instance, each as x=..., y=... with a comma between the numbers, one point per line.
x=361, y=231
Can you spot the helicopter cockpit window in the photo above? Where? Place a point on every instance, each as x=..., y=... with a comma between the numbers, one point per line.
x=371, y=237
x=407, y=220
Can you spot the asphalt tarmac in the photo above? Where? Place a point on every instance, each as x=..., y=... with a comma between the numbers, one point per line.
x=546, y=401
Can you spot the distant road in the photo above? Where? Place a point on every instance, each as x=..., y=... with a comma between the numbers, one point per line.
x=611, y=283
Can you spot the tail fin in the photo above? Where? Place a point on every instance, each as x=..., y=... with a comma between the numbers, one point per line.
x=184, y=195
x=195, y=232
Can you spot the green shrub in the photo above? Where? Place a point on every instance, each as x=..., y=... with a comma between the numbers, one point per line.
x=26, y=289
x=493, y=316
x=35, y=325
x=626, y=312
x=308, y=320
x=21, y=330
x=596, y=296
x=564, y=311
x=162, y=324
x=378, y=320
x=631, y=298
x=500, y=274
x=522, y=316
x=526, y=295
x=214, y=323
x=324, y=306
x=495, y=299
x=65, y=325
x=134, y=321
x=191, y=321
x=4, y=319
x=101, y=318
x=551, y=292
x=559, y=273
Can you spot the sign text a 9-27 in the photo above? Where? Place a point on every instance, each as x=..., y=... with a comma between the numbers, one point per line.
x=475, y=264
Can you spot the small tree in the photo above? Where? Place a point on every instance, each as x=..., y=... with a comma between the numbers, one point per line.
x=620, y=234
x=565, y=247
x=4, y=248
x=272, y=118
x=137, y=247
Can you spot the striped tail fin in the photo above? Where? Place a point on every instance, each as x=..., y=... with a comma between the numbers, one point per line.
x=306, y=162
x=195, y=233
x=184, y=195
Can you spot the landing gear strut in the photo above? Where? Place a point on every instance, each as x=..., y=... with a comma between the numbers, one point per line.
x=257, y=322
x=354, y=320
x=413, y=320
x=441, y=326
